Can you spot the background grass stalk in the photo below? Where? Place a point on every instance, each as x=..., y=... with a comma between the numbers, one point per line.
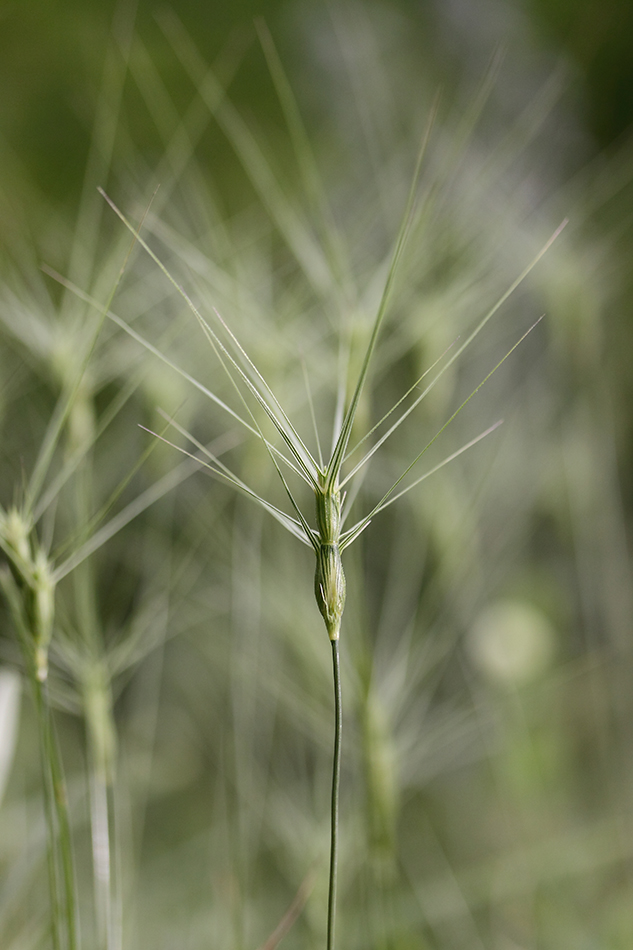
x=30, y=593
x=49, y=811
x=60, y=861
x=101, y=749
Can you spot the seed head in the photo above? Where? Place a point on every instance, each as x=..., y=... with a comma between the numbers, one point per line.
x=329, y=579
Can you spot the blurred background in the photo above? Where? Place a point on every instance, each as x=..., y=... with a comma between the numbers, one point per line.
x=486, y=647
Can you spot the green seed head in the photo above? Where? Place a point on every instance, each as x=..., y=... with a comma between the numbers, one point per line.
x=43, y=612
x=33, y=584
x=328, y=512
x=14, y=531
x=329, y=579
x=329, y=588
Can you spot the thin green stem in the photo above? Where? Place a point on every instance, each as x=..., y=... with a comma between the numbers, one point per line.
x=100, y=832
x=64, y=843
x=49, y=809
x=101, y=735
x=60, y=847
x=336, y=779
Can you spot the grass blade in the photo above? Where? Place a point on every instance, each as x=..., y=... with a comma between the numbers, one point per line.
x=342, y=442
x=308, y=466
x=222, y=471
x=482, y=323
x=65, y=403
x=355, y=531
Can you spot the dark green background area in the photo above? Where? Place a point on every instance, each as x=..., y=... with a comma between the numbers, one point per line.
x=52, y=53
x=51, y=63
x=599, y=39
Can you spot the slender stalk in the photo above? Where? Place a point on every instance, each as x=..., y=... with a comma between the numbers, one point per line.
x=43, y=724
x=100, y=832
x=64, y=843
x=60, y=847
x=336, y=778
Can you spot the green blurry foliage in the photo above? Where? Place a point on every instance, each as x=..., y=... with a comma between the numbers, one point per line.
x=487, y=655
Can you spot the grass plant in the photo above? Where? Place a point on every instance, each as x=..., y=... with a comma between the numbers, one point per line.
x=344, y=320
x=59, y=495
x=326, y=481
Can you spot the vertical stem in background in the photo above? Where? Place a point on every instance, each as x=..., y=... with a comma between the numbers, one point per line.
x=336, y=776
x=101, y=736
x=100, y=832
x=65, y=846
x=49, y=809
x=59, y=843
x=106, y=872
